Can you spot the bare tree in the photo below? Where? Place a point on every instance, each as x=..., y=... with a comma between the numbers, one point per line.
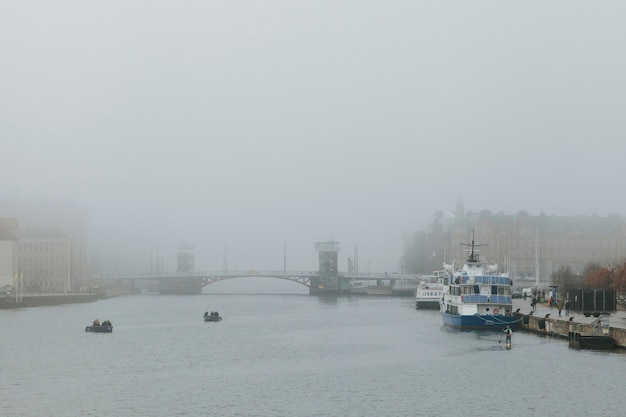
x=565, y=279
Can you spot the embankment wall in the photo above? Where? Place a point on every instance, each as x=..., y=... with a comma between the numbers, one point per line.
x=561, y=328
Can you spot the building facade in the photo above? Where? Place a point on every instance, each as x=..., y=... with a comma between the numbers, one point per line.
x=523, y=245
x=51, y=250
x=44, y=261
x=7, y=255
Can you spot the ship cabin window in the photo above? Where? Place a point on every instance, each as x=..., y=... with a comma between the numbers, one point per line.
x=452, y=310
x=499, y=290
x=468, y=289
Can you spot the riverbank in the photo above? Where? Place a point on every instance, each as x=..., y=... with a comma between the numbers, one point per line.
x=40, y=300
x=546, y=321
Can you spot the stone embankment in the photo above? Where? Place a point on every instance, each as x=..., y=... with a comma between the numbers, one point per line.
x=546, y=321
x=40, y=300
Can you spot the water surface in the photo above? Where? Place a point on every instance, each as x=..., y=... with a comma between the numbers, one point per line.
x=287, y=355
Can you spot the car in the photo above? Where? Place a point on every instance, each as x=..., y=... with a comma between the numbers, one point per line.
x=516, y=294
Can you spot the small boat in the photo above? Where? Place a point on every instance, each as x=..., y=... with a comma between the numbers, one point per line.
x=598, y=339
x=99, y=329
x=214, y=316
x=476, y=299
x=430, y=291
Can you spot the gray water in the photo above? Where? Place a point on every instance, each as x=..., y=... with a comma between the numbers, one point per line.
x=288, y=355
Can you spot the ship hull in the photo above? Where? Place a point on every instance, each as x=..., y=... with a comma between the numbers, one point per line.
x=478, y=322
x=427, y=304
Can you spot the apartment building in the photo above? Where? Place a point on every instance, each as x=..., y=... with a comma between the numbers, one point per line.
x=51, y=250
x=522, y=244
x=7, y=256
x=44, y=261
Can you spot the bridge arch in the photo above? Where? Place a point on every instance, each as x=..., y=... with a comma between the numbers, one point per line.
x=300, y=279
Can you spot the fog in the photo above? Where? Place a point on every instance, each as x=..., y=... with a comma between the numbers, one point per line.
x=248, y=127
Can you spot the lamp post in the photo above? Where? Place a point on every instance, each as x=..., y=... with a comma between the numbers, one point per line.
x=537, y=268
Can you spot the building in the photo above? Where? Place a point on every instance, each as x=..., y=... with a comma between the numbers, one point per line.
x=186, y=259
x=327, y=280
x=44, y=261
x=523, y=245
x=45, y=227
x=7, y=254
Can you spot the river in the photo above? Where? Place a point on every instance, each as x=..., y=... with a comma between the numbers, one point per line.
x=288, y=354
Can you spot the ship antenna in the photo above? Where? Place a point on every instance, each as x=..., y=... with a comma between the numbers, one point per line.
x=473, y=256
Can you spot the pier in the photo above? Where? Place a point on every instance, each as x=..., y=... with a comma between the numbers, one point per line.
x=546, y=321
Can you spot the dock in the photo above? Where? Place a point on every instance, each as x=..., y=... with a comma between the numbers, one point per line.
x=546, y=321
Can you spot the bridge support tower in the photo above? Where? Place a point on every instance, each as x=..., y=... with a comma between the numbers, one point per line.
x=328, y=280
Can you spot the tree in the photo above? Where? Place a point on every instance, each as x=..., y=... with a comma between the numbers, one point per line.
x=601, y=278
x=591, y=267
x=565, y=279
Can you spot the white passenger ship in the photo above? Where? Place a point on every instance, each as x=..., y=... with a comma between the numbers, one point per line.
x=475, y=298
x=429, y=291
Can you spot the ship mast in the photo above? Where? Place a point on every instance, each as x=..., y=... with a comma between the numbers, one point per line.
x=473, y=256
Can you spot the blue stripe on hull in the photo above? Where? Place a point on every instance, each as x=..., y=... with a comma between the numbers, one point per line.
x=477, y=322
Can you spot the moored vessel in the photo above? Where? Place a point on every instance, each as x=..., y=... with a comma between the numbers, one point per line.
x=429, y=292
x=598, y=339
x=475, y=298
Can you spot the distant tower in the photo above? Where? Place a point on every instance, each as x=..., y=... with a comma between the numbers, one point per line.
x=186, y=258
x=327, y=280
x=460, y=209
x=327, y=258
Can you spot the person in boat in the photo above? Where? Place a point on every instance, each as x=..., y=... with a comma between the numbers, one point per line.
x=216, y=314
x=106, y=323
x=96, y=322
x=508, y=331
x=206, y=314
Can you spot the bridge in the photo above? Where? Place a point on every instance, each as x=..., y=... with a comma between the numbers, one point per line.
x=192, y=283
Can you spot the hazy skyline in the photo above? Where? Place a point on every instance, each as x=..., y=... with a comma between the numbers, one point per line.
x=254, y=125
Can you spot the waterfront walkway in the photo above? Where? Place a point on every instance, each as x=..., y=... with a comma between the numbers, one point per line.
x=617, y=319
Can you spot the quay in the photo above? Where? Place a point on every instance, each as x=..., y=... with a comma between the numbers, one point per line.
x=546, y=321
x=41, y=300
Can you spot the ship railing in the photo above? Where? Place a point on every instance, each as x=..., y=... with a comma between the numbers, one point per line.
x=484, y=279
x=485, y=299
x=492, y=279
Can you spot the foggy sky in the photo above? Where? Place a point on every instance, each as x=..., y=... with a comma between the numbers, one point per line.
x=257, y=124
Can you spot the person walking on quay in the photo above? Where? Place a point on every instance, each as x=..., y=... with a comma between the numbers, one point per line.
x=533, y=303
x=567, y=304
x=559, y=305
